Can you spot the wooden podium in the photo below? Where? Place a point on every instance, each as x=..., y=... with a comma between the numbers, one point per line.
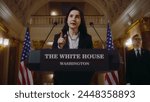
x=73, y=60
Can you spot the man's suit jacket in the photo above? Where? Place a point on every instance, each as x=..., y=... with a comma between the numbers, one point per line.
x=73, y=77
x=138, y=68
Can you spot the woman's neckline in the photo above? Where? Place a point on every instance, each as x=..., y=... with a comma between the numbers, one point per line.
x=73, y=37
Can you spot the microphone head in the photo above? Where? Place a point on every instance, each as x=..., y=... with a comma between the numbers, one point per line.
x=55, y=23
x=91, y=24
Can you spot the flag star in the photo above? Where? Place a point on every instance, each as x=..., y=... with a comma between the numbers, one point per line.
x=109, y=38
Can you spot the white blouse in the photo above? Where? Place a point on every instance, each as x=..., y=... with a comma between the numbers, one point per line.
x=73, y=42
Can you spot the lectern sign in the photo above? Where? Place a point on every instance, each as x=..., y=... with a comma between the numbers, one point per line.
x=70, y=60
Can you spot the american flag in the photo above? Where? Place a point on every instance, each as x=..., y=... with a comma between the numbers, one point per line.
x=111, y=78
x=25, y=75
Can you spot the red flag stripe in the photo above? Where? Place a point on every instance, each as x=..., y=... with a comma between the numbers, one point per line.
x=27, y=74
x=22, y=75
x=115, y=77
x=112, y=78
x=108, y=79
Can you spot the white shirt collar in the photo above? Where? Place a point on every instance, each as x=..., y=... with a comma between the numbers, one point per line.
x=135, y=50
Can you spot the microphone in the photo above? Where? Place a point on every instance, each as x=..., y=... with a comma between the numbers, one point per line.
x=92, y=25
x=54, y=24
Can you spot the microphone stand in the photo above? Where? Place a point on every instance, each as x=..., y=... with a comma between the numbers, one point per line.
x=54, y=24
x=92, y=25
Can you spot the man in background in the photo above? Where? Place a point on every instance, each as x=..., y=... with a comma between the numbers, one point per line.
x=138, y=63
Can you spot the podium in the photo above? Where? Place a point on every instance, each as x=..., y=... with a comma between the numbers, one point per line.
x=73, y=60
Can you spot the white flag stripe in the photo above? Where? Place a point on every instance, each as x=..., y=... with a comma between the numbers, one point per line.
x=30, y=77
x=24, y=72
x=20, y=77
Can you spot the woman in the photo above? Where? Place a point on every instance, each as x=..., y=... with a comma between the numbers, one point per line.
x=73, y=36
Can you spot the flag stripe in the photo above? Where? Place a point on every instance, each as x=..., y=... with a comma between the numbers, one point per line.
x=115, y=76
x=27, y=75
x=22, y=75
x=108, y=81
x=30, y=79
x=19, y=78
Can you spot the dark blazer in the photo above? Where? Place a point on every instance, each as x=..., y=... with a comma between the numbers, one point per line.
x=84, y=42
x=138, y=68
x=73, y=77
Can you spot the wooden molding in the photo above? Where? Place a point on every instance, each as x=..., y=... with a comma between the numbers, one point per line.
x=3, y=28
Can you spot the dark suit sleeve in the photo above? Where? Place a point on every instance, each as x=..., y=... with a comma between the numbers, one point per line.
x=55, y=44
x=148, y=60
x=89, y=42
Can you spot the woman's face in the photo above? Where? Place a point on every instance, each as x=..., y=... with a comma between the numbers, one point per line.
x=74, y=19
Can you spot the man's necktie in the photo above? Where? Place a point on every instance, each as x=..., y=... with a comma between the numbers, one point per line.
x=138, y=53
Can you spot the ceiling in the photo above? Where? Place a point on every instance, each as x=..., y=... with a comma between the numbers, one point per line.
x=23, y=9
x=16, y=13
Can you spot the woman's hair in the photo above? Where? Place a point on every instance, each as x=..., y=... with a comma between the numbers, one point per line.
x=82, y=28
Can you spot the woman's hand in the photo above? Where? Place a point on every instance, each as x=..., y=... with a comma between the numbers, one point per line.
x=61, y=41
